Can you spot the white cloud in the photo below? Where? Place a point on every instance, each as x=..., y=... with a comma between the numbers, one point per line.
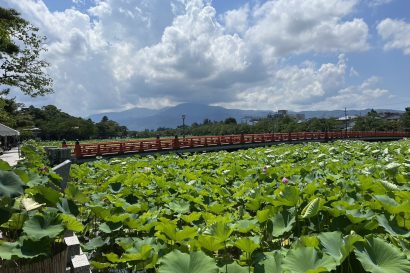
x=236, y=21
x=155, y=53
x=377, y=3
x=396, y=34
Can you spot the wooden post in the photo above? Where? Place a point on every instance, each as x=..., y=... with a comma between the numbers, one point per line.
x=141, y=148
x=242, y=138
x=77, y=149
x=64, y=144
x=175, y=143
x=158, y=143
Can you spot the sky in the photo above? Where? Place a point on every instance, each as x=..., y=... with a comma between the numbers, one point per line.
x=113, y=55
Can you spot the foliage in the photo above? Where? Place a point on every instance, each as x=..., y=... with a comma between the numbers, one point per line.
x=32, y=214
x=21, y=65
x=344, y=206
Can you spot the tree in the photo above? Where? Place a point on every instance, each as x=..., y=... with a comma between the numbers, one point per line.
x=405, y=120
x=230, y=120
x=20, y=50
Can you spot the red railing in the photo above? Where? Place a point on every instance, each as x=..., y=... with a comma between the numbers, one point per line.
x=152, y=145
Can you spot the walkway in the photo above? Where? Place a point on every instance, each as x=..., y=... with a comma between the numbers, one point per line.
x=11, y=156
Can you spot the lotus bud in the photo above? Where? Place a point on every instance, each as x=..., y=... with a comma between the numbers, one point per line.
x=285, y=180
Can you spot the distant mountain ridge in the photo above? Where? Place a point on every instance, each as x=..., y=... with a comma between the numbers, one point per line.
x=171, y=117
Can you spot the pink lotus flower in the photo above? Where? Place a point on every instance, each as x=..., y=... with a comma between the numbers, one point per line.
x=285, y=180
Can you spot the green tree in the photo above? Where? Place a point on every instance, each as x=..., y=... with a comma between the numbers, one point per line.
x=405, y=120
x=21, y=65
x=107, y=128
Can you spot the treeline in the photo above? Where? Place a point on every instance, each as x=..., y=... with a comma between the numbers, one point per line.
x=373, y=121
x=50, y=123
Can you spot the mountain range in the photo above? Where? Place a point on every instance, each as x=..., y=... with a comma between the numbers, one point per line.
x=171, y=117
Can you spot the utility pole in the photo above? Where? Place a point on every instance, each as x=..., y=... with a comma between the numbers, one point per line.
x=183, y=125
x=345, y=119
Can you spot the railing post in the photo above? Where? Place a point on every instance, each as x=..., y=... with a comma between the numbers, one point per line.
x=141, y=148
x=175, y=143
x=219, y=141
x=289, y=136
x=77, y=149
x=158, y=142
x=64, y=144
x=206, y=142
x=242, y=140
x=122, y=148
x=191, y=143
x=98, y=149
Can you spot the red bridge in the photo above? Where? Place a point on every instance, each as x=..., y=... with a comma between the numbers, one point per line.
x=83, y=152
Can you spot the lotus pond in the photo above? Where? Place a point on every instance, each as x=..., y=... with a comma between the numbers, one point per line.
x=339, y=207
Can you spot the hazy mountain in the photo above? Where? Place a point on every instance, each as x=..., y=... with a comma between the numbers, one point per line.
x=171, y=117
x=127, y=114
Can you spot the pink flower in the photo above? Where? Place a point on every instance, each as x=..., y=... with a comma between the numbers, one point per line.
x=285, y=180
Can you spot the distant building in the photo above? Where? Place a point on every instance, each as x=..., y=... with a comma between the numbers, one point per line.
x=347, y=118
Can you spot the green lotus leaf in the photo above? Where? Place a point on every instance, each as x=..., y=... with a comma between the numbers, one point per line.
x=43, y=225
x=289, y=197
x=45, y=194
x=378, y=256
x=245, y=226
x=16, y=221
x=311, y=209
x=68, y=206
x=179, y=206
x=99, y=265
x=336, y=246
x=392, y=168
x=220, y=230
x=307, y=260
x=281, y=223
x=391, y=227
x=10, y=184
x=210, y=243
x=71, y=223
x=309, y=241
x=137, y=253
x=389, y=186
x=263, y=215
x=248, y=244
x=94, y=243
x=272, y=264
x=25, y=248
x=110, y=227
x=194, y=216
x=73, y=192
x=195, y=262
x=359, y=215
x=8, y=250
x=233, y=268
x=4, y=166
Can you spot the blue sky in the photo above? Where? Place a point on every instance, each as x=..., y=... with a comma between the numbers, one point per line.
x=291, y=54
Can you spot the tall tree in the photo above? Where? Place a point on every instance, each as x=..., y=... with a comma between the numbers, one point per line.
x=405, y=120
x=21, y=65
